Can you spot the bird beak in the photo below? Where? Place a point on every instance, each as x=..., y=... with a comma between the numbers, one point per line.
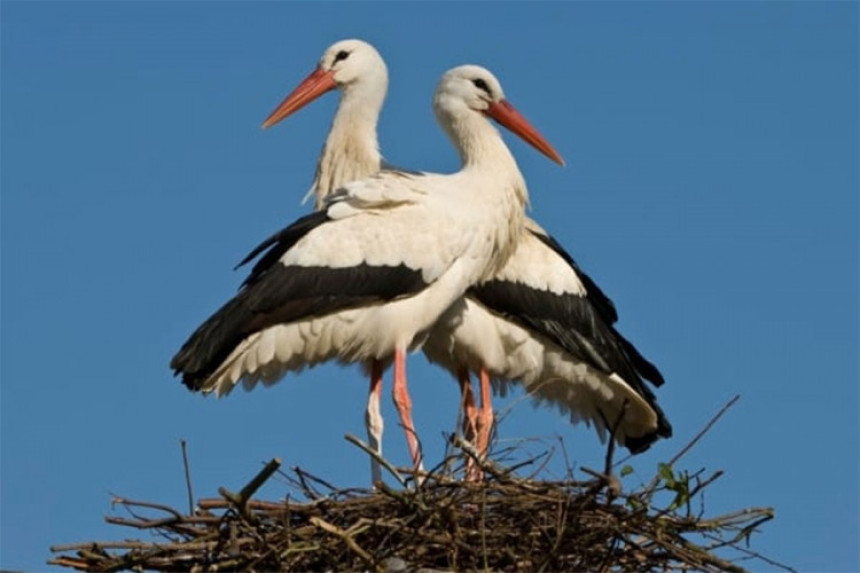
x=504, y=113
x=312, y=87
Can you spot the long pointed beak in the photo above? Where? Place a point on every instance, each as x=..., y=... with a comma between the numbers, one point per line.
x=504, y=113
x=312, y=87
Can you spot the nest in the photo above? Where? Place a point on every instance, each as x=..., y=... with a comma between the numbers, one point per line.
x=505, y=523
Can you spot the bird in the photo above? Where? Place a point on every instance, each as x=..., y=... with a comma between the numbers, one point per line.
x=542, y=321
x=350, y=152
x=367, y=276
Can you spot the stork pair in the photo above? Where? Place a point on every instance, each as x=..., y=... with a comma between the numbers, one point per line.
x=394, y=259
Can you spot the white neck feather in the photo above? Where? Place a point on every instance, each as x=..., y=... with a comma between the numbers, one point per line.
x=351, y=150
x=486, y=157
x=482, y=149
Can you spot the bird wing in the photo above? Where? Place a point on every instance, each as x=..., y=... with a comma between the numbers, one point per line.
x=605, y=308
x=602, y=303
x=543, y=290
x=337, y=259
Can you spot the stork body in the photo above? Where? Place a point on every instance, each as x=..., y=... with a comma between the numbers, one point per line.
x=350, y=153
x=362, y=279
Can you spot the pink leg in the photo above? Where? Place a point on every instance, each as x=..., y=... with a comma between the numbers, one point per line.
x=467, y=404
x=470, y=420
x=373, y=418
x=485, y=417
x=404, y=407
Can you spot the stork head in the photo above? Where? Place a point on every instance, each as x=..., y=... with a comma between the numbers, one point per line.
x=353, y=66
x=352, y=62
x=466, y=90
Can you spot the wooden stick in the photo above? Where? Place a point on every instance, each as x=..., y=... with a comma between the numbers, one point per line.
x=695, y=439
x=183, y=444
x=375, y=455
x=350, y=542
x=240, y=500
x=704, y=430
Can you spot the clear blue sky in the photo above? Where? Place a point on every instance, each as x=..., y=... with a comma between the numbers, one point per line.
x=711, y=190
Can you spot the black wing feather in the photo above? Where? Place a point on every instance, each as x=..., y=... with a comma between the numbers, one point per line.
x=569, y=320
x=578, y=326
x=606, y=310
x=595, y=295
x=277, y=294
x=281, y=242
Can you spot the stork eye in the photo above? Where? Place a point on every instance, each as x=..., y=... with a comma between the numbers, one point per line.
x=482, y=85
x=341, y=55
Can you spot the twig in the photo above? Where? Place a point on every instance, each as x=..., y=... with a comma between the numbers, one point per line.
x=103, y=545
x=703, y=484
x=737, y=517
x=309, y=492
x=183, y=443
x=695, y=439
x=704, y=430
x=547, y=456
x=259, y=479
x=501, y=475
x=375, y=455
x=240, y=500
x=350, y=542
x=117, y=500
x=314, y=478
x=219, y=503
x=568, y=466
x=756, y=555
x=181, y=525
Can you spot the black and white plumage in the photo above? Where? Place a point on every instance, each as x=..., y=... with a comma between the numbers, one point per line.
x=543, y=322
x=434, y=235
x=350, y=152
x=275, y=293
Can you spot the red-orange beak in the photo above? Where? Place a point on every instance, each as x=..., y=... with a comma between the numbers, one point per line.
x=312, y=87
x=508, y=116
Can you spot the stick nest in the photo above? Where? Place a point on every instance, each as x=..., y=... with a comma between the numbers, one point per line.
x=504, y=523
x=437, y=522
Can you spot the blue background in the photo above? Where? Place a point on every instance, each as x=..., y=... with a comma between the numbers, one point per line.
x=711, y=190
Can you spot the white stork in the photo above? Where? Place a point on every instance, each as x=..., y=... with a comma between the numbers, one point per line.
x=364, y=278
x=350, y=153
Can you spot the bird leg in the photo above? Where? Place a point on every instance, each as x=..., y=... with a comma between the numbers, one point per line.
x=373, y=419
x=470, y=420
x=467, y=405
x=404, y=407
x=485, y=417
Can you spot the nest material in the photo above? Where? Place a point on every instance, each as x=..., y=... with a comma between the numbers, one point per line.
x=505, y=523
